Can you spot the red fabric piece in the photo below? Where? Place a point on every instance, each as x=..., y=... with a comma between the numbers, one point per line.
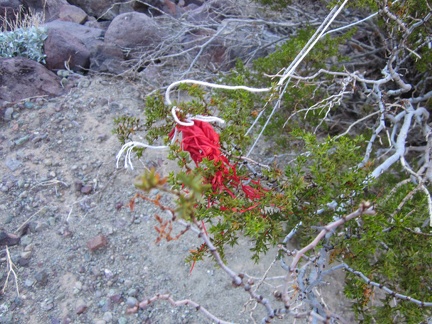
x=202, y=141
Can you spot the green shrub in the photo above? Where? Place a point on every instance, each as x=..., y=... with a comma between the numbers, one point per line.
x=25, y=42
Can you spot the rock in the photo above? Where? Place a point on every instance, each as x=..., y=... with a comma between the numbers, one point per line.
x=8, y=239
x=26, y=254
x=116, y=298
x=8, y=114
x=108, y=317
x=12, y=164
x=41, y=278
x=78, y=185
x=72, y=14
x=81, y=307
x=86, y=190
x=63, y=49
x=70, y=43
x=22, y=78
x=132, y=292
x=131, y=302
x=22, y=140
x=103, y=9
x=132, y=30
x=97, y=242
x=23, y=262
x=108, y=58
x=47, y=304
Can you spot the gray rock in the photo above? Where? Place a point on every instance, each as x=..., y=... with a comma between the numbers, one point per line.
x=8, y=114
x=133, y=30
x=12, y=164
x=42, y=278
x=108, y=58
x=131, y=301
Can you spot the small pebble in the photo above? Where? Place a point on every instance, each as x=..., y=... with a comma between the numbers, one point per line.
x=86, y=189
x=22, y=140
x=42, y=278
x=108, y=316
x=8, y=114
x=26, y=254
x=12, y=164
x=133, y=292
x=131, y=301
x=47, y=162
x=97, y=242
x=29, y=105
x=47, y=304
x=81, y=309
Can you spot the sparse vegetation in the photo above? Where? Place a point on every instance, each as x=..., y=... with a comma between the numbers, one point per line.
x=349, y=124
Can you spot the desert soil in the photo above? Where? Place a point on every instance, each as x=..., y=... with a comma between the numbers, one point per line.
x=60, y=189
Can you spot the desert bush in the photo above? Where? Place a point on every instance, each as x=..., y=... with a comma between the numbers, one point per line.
x=344, y=124
x=23, y=37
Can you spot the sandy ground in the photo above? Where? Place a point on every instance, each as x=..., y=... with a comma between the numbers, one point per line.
x=61, y=188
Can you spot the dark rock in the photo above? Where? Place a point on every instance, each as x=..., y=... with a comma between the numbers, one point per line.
x=116, y=298
x=103, y=9
x=81, y=307
x=88, y=35
x=42, y=278
x=63, y=48
x=78, y=185
x=22, y=78
x=23, y=262
x=71, y=43
x=8, y=239
x=72, y=14
x=108, y=58
x=133, y=30
x=86, y=190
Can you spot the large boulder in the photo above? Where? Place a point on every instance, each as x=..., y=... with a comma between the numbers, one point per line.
x=62, y=50
x=103, y=9
x=72, y=14
x=132, y=30
x=71, y=43
x=22, y=78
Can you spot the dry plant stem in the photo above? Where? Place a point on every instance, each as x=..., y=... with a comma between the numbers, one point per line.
x=364, y=209
x=28, y=220
x=10, y=270
x=378, y=285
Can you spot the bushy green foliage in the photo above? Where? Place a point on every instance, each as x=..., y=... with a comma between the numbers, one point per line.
x=390, y=247
x=26, y=42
